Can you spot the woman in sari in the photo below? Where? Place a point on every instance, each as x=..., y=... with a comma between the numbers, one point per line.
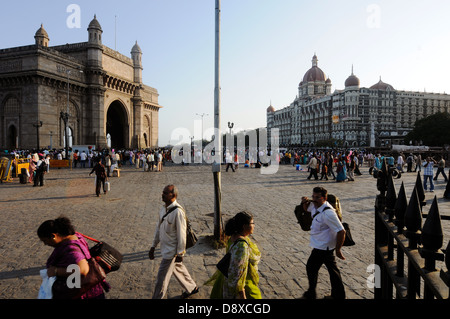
x=243, y=279
x=341, y=170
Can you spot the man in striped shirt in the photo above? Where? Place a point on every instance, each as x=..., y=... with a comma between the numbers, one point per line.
x=428, y=173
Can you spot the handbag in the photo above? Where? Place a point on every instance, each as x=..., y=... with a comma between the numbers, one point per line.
x=348, y=241
x=224, y=264
x=191, y=238
x=96, y=275
x=304, y=217
x=106, y=256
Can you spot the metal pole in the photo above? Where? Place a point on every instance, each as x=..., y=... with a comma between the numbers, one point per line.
x=67, y=118
x=201, y=140
x=217, y=136
x=37, y=126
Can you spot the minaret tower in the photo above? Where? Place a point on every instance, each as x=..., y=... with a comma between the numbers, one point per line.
x=95, y=92
x=41, y=37
x=136, y=55
x=95, y=49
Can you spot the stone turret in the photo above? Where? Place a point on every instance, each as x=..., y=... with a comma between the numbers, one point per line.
x=136, y=55
x=95, y=49
x=41, y=37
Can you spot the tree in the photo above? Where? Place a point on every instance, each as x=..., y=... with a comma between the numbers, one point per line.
x=433, y=130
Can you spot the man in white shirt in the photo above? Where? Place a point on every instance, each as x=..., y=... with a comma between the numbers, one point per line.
x=171, y=233
x=327, y=236
x=229, y=161
x=83, y=158
x=312, y=165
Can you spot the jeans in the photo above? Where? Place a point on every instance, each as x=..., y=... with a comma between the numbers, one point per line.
x=430, y=177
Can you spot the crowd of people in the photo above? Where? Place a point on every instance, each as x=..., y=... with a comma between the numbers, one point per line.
x=241, y=279
x=344, y=165
x=39, y=160
x=238, y=280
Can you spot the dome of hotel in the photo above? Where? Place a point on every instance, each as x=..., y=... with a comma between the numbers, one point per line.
x=381, y=86
x=314, y=73
x=270, y=109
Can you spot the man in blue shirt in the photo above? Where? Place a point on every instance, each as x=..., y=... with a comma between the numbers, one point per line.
x=428, y=173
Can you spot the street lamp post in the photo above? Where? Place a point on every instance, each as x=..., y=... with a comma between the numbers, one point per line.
x=230, y=126
x=202, y=115
x=190, y=148
x=65, y=115
x=37, y=126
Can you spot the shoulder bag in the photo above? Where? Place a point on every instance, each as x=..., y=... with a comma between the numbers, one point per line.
x=191, y=238
x=348, y=241
x=224, y=264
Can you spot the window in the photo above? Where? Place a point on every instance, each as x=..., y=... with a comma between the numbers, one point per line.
x=11, y=106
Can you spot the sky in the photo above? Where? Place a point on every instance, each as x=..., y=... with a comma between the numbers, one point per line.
x=266, y=48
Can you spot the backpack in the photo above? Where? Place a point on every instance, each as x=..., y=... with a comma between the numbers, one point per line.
x=43, y=166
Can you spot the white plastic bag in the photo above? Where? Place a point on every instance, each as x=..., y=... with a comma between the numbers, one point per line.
x=45, y=291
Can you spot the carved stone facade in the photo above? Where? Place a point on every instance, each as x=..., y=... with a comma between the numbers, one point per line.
x=100, y=89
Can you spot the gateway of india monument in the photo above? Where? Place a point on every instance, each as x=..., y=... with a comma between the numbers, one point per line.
x=94, y=91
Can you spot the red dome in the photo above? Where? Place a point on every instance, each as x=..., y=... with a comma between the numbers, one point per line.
x=352, y=81
x=381, y=86
x=315, y=73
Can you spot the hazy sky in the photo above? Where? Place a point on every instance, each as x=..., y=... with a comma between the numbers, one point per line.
x=266, y=48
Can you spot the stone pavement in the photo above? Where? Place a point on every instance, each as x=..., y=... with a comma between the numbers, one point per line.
x=126, y=218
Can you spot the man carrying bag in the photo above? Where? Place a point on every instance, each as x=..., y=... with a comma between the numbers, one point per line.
x=327, y=237
x=171, y=233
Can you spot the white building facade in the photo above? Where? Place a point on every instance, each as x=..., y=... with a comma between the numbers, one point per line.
x=355, y=116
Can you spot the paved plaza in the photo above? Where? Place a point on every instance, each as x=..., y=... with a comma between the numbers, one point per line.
x=126, y=218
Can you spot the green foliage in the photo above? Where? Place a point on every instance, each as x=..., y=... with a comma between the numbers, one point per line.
x=433, y=130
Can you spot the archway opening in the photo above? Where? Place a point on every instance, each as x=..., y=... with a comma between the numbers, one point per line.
x=12, y=137
x=116, y=125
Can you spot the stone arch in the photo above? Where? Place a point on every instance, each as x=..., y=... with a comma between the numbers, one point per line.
x=117, y=124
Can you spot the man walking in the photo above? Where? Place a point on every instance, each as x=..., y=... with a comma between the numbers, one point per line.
x=441, y=167
x=229, y=161
x=100, y=173
x=313, y=167
x=171, y=233
x=327, y=236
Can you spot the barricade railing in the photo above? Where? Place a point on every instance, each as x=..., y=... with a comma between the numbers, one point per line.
x=406, y=248
x=5, y=169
